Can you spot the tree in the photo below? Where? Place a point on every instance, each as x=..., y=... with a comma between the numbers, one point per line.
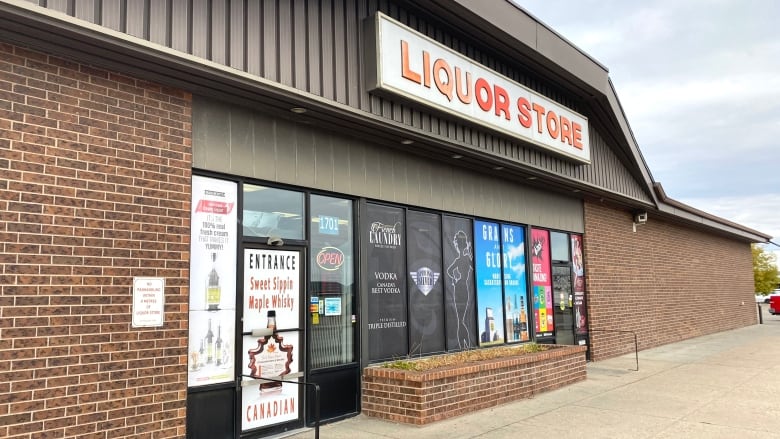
x=765, y=273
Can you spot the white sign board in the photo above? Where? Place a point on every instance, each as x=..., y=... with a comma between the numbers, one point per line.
x=272, y=290
x=419, y=68
x=148, y=302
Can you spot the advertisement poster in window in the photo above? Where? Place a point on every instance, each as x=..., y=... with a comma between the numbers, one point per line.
x=490, y=304
x=384, y=246
x=212, y=300
x=271, y=300
x=578, y=272
x=426, y=291
x=542, y=282
x=211, y=351
x=460, y=299
x=515, y=284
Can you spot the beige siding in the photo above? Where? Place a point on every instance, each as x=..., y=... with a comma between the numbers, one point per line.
x=317, y=47
x=237, y=141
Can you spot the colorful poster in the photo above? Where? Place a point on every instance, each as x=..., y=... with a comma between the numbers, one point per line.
x=426, y=292
x=460, y=308
x=212, y=281
x=490, y=304
x=515, y=284
x=542, y=283
x=384, y=245
x=578, y=272
x=272, y=291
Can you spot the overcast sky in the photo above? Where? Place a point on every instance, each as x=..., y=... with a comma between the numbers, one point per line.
x=699, y=81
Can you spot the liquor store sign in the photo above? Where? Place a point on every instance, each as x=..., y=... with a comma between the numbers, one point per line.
x=418, y=68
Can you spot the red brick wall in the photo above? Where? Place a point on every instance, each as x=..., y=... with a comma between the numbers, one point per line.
x=664, y=281
x=420, y=398
x=94, y=190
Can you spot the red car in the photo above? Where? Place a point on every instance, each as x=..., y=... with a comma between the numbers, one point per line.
x=774, y=304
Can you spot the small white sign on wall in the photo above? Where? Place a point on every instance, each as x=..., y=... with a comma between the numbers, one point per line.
x=148, y=302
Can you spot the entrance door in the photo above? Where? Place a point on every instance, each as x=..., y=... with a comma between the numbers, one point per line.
x=332, y=309
x=273, y=341
x=563, y=303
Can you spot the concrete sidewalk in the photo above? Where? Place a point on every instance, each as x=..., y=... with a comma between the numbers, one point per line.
x=724, y=385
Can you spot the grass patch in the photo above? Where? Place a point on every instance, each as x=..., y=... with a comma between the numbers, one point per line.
x=472, y=356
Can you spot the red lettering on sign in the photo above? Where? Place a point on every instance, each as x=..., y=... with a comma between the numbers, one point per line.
x=502, y=101
x=463, y=89
x=539, y=110
x=485, y=101
x=406, y=71
x=552, y=124
x=330, y=258
x=576, y=130
x=524, y=107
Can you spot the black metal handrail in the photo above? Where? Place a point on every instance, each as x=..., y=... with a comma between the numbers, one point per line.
x=636, y=344
x=316, y=399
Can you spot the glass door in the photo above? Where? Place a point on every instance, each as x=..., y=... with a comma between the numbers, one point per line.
x=273, y=340
x=563, y=303
x=332, y=308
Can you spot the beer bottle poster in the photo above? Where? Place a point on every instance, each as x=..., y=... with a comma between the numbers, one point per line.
x=212, y=302
x=426, y=292
x=542, y=283
x=384, y=246
x=460, y=299
x=515, y=285
x=490, y=306
x=272, y=294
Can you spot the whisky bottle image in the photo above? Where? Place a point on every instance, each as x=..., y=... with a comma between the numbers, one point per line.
x=213, y=289
x=271, y=320
x=209, y=345
x=218, y=345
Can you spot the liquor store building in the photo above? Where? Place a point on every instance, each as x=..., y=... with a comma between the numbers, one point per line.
x=200, y=195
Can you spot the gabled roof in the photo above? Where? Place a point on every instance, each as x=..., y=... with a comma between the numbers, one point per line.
x=500, y=27
x=513, y=32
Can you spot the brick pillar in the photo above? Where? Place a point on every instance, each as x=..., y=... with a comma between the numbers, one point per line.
x=95, y=190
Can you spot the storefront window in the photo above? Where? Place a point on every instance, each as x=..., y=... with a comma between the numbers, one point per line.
x=460, y=307
x=542, y=283
x=560, y=246
x=383, y=233
x=332, y=282
x=426, y=290
x=490, y=303
x=515, y=283
x=272, y=212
